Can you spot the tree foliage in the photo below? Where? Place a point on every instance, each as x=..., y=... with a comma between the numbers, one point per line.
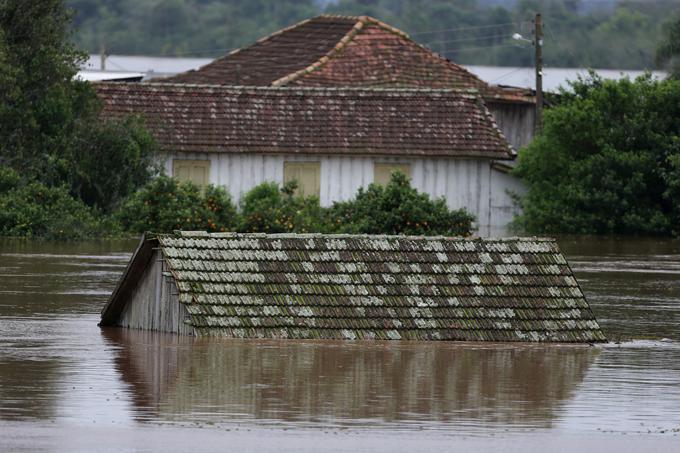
x=36, y=210
x=50, y=128
x=608, y=161
x=398, y=208
x=668, y=52
x=109, y=160
x=268, y=208
x=164, y=205
x=39, y=102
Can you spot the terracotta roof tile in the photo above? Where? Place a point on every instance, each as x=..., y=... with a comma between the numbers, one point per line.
x=273, y=56
x=343, y=51
x=406, y=122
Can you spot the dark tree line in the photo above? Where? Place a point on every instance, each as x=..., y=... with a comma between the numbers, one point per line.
x=617, y=34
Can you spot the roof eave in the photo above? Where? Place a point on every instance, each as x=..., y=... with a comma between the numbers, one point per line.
x=416, y=154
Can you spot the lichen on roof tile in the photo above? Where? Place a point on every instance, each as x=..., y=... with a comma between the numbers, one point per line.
x=378, y=287
x=227, y=119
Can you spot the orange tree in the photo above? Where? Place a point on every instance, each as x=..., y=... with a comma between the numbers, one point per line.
x=397, y=208
x=164, y=205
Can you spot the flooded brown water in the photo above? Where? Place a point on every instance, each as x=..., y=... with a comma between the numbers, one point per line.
x=67, y=385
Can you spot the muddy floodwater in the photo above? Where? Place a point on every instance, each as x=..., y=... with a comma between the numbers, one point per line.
x=67, y=385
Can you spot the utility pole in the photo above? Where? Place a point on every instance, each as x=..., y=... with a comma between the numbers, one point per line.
x=102, y=57
x=538, y=44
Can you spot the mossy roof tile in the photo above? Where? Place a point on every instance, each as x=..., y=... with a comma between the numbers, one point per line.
x=238, y=120
x=379, y=287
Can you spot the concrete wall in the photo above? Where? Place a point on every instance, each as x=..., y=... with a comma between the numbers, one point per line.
x=464, y=183
x=154, y=304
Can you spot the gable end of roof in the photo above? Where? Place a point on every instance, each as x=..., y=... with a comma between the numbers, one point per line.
x=128, y=281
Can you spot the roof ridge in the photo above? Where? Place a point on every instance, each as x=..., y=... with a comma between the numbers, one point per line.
x=348, y=37
x=234, y=234
x=338, y=16
x=259, y=41
x=387, y=27
x=344, y=41
x=472, y=92
x=361, y=23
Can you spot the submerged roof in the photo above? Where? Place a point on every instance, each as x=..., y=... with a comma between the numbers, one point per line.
x=372, y=287
x=355, y=121
x=342, y=51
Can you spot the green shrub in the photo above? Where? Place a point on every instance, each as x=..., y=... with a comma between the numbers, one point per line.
x=35, y=210
x=397, y=208
x=267, y=208
x=9, y=179
x=607, y=162
x=164, y=205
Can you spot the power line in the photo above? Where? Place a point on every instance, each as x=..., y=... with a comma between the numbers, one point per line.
x=508, y=74
x=260, y=47
x=390, y=39
x=463, y=28
x=476, y=38
x=485, y=47
x=552, y=35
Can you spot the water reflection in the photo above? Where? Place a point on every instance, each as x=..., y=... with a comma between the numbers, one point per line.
x=27, y=389
x=217, y=380
x=57, y=366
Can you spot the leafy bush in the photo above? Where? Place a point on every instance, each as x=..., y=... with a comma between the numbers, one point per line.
x=267, y=208
x=398, y=208
x=9, y=179
x=35, y=210
x=164, y=205
x=607, y=161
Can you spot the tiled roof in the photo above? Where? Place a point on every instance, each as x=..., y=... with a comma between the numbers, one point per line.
x=405, y=122
x=378, y=287
x=343, y=51
x=272, y=57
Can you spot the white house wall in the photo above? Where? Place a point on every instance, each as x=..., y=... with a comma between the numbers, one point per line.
x=501, y=201
x=465, y=183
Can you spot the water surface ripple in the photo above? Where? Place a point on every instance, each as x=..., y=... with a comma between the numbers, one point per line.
x=59, y=370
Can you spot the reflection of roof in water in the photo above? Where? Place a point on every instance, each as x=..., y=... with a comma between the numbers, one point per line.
x=217, y=380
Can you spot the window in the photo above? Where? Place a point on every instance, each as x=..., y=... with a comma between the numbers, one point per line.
x=196, y=171
x=307, y=175
x=383, y=171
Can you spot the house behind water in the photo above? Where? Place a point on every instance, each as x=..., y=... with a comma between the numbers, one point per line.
x=349, y=51
x=337, y=103
x=331, y=140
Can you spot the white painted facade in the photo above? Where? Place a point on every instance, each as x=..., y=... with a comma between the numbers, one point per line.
x=465, y=183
